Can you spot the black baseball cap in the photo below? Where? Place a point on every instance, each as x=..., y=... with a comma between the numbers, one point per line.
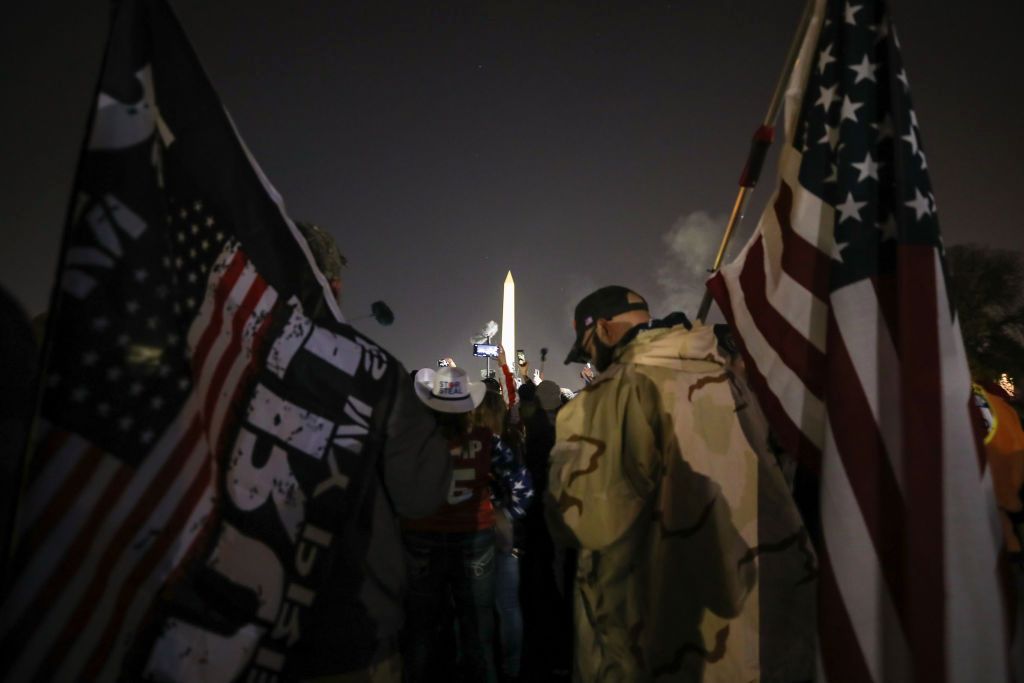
x=604, y=303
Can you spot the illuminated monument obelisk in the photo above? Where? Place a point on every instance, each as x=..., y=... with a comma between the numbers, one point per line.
x=508, y=321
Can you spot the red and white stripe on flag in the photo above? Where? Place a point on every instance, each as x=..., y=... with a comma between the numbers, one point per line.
x=101, y=537
x=868, y=382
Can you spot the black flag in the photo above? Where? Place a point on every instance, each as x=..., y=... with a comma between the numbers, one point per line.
x=200, y=436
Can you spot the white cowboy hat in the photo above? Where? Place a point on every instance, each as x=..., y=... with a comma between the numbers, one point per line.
x=448, y=390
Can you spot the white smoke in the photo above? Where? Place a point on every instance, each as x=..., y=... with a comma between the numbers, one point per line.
x=691, y=246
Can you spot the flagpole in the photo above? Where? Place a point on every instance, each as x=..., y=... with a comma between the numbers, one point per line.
x=762, y=140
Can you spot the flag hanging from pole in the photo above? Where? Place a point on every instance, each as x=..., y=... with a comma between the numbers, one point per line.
x=200, y=435
x=841, y=305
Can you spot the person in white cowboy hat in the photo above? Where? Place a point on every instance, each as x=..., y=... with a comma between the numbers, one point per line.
x=451, y=554
x=448, y=390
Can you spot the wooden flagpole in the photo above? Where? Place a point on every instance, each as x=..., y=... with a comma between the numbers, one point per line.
x=762, y=140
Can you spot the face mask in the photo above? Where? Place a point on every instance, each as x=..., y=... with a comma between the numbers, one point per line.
x=603, y=354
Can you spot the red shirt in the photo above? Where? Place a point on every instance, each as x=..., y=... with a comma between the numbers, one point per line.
x=468, y=506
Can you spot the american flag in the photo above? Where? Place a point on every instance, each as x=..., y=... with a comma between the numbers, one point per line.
x=850, y=339
x=182, y=281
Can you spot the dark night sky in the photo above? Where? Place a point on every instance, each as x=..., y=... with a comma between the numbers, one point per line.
x=562, y=140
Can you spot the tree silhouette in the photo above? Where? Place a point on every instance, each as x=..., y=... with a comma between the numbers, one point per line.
x=988, y=290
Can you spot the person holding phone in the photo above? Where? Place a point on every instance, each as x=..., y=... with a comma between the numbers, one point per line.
x=522, y=366
x=509, y=384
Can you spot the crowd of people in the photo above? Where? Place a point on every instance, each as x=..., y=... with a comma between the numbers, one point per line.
x=642, y=529
x=647, y=528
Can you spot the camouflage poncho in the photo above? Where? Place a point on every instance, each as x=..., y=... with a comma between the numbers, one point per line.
x=694, y=564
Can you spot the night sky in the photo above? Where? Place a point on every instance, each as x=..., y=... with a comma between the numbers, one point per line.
x=577, y=144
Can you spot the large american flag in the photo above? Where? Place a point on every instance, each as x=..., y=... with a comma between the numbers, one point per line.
x=850, y=339
x=178, y=318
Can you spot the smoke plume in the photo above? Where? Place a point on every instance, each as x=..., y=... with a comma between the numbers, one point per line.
x=690, y=244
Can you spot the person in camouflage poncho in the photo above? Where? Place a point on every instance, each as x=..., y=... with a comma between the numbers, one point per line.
x=694, y=564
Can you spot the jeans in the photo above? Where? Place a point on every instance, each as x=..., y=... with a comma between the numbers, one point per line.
x=510, y=616
x=459, y=567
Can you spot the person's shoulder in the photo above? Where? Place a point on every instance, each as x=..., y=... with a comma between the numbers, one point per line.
x=601, y=392
x=601, y=385
x=671, y=350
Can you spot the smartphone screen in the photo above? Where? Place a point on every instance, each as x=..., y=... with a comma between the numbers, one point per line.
x=485, y=350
